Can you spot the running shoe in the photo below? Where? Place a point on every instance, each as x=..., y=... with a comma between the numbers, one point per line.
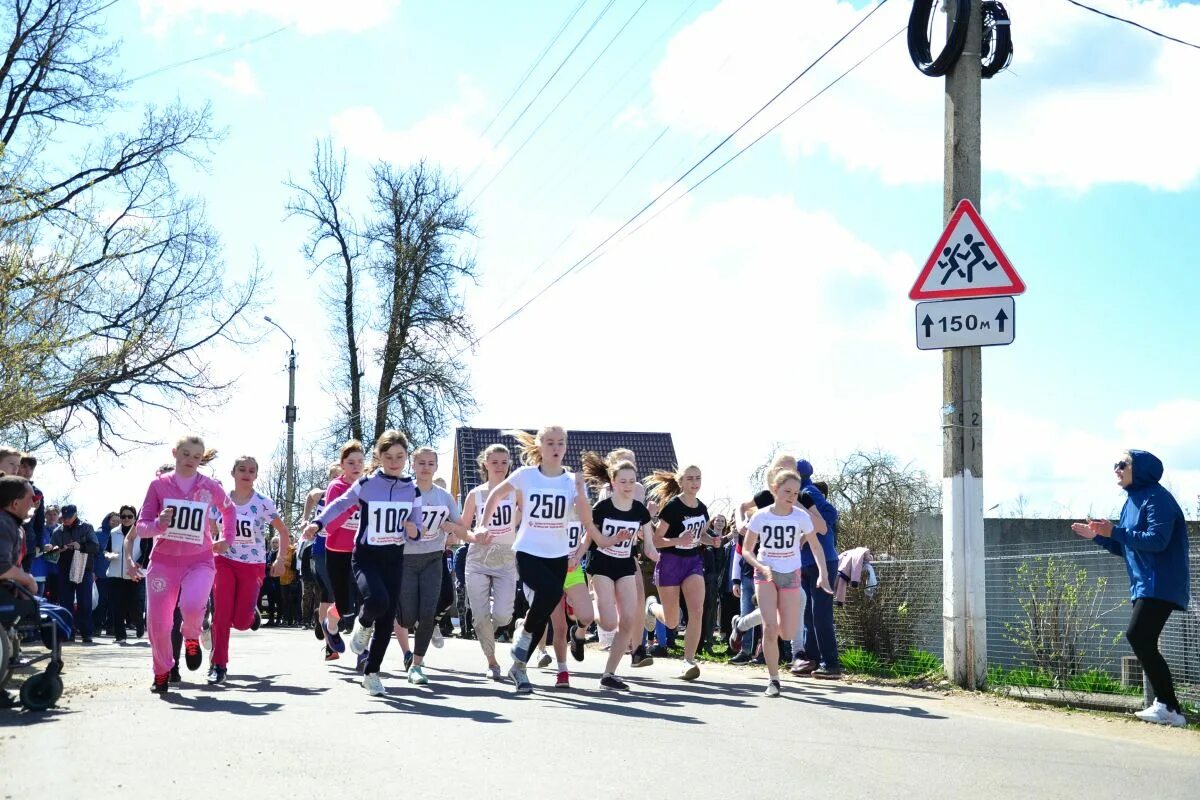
x=360, y=666
x=192, y=655
x=563, y=681
x=690, y=671
x=1159, y=714
x=613, y=682
x=772, y=688
x=576, y=643
x=520, y=680
x=827, y=674
x=373, y=685
x=494, y=673
x=174, y=673
x=331, y=654
x=437, y=640
x=206, y=634
x=640, y=658
x=544, y=660
x=161, y=683
x=335, y=641
x=740, y=658
x=408, y=659
x=416, y=676
x=254, y=625
x=802, y=666
x=361, y=637
x=216, y=676
x=318, y=629
x=735, y=636
x=650, y=620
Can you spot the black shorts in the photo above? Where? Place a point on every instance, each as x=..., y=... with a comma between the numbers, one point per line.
x=612, y=568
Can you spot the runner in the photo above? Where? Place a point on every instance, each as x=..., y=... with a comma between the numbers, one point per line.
x=619, y=519
x=424, y=567
x=772, y=548
x=681, y=529
x=175, y=513
x=578, y=600
x=339, y=545
x=389, y=503
x=240, y=570
x=491, y=569
x=545, y=491
x=313, y=505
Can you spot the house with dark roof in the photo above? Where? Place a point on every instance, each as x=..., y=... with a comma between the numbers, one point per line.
x=654, y=451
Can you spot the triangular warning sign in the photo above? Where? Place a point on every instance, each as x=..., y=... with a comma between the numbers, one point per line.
x=966, y=262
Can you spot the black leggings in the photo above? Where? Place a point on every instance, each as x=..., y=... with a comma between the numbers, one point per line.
x=378, y=572
x=544, y=577
x=341, y=578
x=1148, y=619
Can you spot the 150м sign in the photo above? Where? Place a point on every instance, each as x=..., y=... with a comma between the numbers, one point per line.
x=977, y=322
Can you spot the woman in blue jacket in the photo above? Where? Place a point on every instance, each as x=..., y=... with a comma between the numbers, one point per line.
x=1152, y=538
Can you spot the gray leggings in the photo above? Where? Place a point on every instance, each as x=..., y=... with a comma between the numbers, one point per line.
x=419, y=593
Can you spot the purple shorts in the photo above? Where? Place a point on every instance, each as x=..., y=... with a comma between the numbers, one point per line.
x=672, y=569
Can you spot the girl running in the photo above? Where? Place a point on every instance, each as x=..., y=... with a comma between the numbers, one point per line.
x=424, y=570
x=491, y=572
x=175, y=513
x=388, y=504
x=619, y=519
x=772, y=548
x=681, y=530
x=312, y=506
x=339, y=545
x=240, y=570
x=575, y=594
x=545, y=491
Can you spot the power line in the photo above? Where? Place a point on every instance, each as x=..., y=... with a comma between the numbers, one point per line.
x=212, y=54
x=1134, y=24
x=561, y=100
x=535, y=64
x=677, y=181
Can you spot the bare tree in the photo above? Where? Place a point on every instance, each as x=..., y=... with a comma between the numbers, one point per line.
x=333, y=248
x=309, y=472
x=113, y=290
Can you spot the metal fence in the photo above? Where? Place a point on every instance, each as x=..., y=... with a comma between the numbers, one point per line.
x=1056, y=616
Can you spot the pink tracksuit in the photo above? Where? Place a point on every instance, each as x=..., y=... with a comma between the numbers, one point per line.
x=181, y=564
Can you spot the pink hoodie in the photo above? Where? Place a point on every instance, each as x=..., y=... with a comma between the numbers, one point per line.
x=205, y=492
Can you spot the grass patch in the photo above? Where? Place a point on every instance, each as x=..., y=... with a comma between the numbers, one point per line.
x=856, y=659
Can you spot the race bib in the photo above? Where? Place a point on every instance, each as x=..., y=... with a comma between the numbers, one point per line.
x=384, y=521
x=778, y=541
x=574, y=534
x=694, y=526
x=432, y=518
x=501, y=525
x=546, y=509
x=245, y=529
x=188, y=525
x=611, y=528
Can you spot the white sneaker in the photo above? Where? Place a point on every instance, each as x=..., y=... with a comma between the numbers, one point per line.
x=1159, y=714
x=437, y=640
x=373, y=685
x=772, y=688
x=651, y=620
x=206, y=638
x=690, y=671
x=544, y=659
x=360, y=637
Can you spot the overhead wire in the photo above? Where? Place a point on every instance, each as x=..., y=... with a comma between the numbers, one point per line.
x=1111, y=16
x=212, y=54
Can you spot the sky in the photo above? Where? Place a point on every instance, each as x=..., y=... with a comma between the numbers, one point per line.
x=769, y=307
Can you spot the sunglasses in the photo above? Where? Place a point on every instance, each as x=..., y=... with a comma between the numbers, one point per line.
x=1120, y=465
x=127, y=516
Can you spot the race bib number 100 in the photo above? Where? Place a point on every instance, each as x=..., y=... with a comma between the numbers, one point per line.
x=384, y=522
x=188, y=524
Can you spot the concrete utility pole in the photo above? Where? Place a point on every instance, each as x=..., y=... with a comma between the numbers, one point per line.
x=964, y=606
x=290, y=418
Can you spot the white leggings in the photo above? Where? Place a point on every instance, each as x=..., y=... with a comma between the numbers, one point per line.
x=491, y=591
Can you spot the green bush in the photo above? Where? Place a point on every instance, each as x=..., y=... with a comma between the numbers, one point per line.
x=856, y=659
x=1095, y=680
x=916, y=663
x=1024, y=676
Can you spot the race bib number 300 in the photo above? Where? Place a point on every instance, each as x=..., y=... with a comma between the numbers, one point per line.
x=188, y=524
x=384, y=522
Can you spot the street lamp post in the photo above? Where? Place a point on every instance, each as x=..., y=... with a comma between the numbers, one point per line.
x=290, y=419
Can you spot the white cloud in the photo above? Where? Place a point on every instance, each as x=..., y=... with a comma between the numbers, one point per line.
x=1089, y=101
x=449, y=137
x=239, y=80
x=309, y=16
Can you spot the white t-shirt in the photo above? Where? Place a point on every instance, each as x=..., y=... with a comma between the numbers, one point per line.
x=779, y=537
x=253, y=519
x=503, y=524
x=547, y=504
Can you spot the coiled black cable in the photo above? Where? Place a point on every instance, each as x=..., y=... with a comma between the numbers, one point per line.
x=919, y=36
x=997, y=49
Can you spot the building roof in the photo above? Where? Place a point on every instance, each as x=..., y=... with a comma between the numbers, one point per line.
x=654, y=451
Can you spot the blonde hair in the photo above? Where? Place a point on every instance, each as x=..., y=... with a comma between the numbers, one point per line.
x=208, y=454
x=333, y=471
x=482, y=458
x=778, y=464
x=237, y=462
x=781, y=476
x=349, y=448
x=664, y=484
x=621, y=454
x=420, y=451
x=530, y=444
x=601, y=472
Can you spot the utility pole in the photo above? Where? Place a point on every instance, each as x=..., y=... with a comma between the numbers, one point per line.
x=289, y=416
x=964, y=608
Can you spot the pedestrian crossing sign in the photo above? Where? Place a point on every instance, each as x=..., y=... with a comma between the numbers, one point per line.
x=967, y=262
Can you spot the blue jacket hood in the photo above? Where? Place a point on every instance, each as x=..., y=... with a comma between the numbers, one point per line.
x=1147, y=470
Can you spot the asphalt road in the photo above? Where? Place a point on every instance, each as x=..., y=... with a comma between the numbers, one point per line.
x=289, y=725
